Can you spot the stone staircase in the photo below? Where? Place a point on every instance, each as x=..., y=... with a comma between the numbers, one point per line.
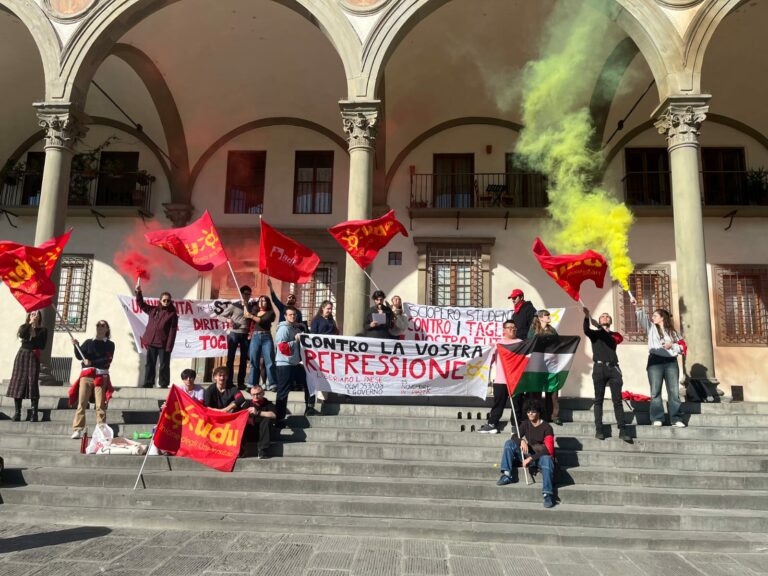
x=410, y=470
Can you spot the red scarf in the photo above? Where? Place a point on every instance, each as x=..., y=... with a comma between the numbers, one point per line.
x=518, y=306
x=100, y=380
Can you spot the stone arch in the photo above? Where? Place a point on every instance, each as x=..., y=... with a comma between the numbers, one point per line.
x=644, y=22
x=95, y=39
x=262, y=123
x=427, y=134
x=42, y=32
x=170, y=118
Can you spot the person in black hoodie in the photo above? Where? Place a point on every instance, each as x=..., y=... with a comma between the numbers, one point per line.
x=373, y=328
x=93, y=381
x=606, y=371
x=323, y=322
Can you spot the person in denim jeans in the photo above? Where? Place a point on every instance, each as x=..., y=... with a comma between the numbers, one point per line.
x=662, y=367
x=237, y=338
x=534, y=449
x=262, y=345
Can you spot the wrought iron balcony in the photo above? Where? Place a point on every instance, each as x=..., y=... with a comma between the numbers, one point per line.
x=478, y=190
x=21, y=189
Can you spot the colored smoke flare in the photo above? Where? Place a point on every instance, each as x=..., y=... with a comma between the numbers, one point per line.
x=557, y=135
x=133, y=264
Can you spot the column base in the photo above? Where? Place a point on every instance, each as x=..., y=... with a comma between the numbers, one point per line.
x=702, y=390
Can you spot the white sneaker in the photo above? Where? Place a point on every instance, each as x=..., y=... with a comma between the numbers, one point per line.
x=679, y=424
x=488, y=429
x=77, y=434
x=657, y=423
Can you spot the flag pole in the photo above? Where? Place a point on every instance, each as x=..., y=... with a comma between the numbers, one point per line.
x=146, y=455
x=517, y=429
x=237, y=286
x=82, y=356
x=371, y=279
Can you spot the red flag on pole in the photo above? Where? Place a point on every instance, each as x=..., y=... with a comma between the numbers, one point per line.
x=284, y=258
x=362, y=239
x=189, y=429
x=570, y=270
x=198, y=244
x=27, y=270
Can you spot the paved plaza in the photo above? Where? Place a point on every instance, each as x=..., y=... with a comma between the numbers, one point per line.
x=56, y=550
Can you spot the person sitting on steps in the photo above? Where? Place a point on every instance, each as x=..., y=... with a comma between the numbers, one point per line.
x=533, y=449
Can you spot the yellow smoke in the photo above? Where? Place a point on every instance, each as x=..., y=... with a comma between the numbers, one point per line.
x=557, y=134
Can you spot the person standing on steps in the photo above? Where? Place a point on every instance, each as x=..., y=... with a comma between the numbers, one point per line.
x=26, y=365
x=323, y=322
x=662, y=367
x=262, y=346
x=500, y=390
x=524, y=313
x=237, y=338
x=93, y=382
x=379, y=317
x=159, y=337
x=289, y=368
x=606, y=371
x=533, y=448
x=290, y=301
x=542, y=326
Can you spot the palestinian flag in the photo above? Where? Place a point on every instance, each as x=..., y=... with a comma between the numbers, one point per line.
x=539, y=364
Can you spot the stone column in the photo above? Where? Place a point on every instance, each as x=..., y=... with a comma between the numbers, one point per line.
x=359, y=119
x=64, y=124
x=680, y=119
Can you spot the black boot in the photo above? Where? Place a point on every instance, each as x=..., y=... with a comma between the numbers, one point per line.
x=35, y=401
x=599, y=434
x=17, y=410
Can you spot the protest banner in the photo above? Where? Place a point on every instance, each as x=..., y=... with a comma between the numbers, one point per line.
x=188, y=429
x=462, y=325
x=373, y=367
x=200, y=335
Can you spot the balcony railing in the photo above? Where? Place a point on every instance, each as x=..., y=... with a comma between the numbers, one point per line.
x=719, y=188
x=479, y=190
x=21, y=188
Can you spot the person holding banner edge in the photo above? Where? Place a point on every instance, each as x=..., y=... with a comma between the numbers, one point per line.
x=159, y=337
x=289, y=368
x=606, y=371
x=542, y=326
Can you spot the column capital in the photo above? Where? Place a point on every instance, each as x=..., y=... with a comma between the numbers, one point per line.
x=679, y=118
x=360, y=121
x=179, y=214
x=63, y=122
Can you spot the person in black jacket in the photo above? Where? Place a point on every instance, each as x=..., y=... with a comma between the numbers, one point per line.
x=94, y=381
x=222, y=396
x=524, y=313
x=323, y=322
x=377, y=328
x=26, y=366
x=606, y=371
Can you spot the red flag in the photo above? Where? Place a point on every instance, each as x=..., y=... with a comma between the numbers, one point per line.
x=570, y=270
x=189, y=429
x=362, y=239
x=198, y=244
x=27, y=270
x=284, y=258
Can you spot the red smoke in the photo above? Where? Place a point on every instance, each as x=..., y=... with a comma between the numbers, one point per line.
x=132, y=264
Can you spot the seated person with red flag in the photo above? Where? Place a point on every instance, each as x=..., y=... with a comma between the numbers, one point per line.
x=222, y=396
x=93, y=381
x=533, y=449
x=263, y=414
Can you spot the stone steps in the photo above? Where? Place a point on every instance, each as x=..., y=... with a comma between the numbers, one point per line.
x=403, y=528
x=400, y=469
x=308, y=466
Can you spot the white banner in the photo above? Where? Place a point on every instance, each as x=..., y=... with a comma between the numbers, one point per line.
x=462, y=325
x=200, y=335
x=373, y=367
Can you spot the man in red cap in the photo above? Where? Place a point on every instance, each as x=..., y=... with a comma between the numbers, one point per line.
x=524, y=312
x=522, y=317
